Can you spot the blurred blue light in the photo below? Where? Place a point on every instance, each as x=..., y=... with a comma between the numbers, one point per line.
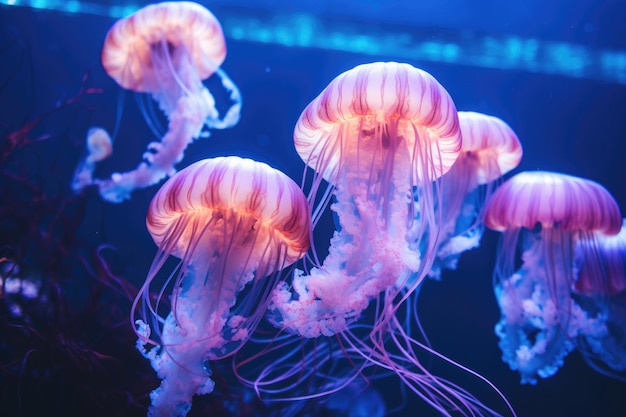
x=75, y=6
x=486, y=51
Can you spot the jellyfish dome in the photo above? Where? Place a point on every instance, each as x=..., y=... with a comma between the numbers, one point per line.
x=166, y=50
x=600, y=289
x=234, y=224
x=543, y=215
x=133, y=51
x=490, y=149
x=376, y=133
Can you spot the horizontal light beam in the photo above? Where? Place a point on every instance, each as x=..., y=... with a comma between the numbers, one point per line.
x=303, y=30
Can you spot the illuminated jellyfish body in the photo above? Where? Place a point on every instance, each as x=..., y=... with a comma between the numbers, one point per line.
x=490, y=149
x=600, y=288
x=543, y=215
x=379, y=134
x=234, y=223
x=166, y=50
x=376, y=133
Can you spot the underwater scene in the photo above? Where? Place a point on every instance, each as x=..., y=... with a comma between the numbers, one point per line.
x=249, y=208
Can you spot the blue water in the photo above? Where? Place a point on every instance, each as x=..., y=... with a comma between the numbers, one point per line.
x=555, y=73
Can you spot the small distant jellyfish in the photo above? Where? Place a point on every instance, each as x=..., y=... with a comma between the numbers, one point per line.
x=600, y=289
x=99, y=146
x=166, y=50
x=543, y=215
x=490, y=149
x=234, y=224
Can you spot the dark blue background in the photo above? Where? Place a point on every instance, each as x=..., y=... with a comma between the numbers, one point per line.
x=575, y=126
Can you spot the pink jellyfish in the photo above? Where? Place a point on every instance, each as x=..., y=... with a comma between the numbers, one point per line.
x=380, y=134
x=166, y=50
x=234, y=224
x=490, y=149
x=543, y=215
x=600, y=288
x=377, y=133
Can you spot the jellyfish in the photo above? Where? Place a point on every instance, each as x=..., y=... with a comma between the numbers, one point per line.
x=600, y=289
x=490, y=149
x=99, y=147
x=379, y=134
x=234, y=224
x=166, y=50
x=543, y=215
x=376, y=133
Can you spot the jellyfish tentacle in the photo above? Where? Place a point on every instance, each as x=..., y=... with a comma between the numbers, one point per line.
x=147, y=107
x=232, y=115
x=532, y=338
x=161, y=157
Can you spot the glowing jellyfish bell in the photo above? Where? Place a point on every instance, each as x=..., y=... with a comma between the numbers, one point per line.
x=544, y=215
x=376, y=133
x=166, y=50
x=234, y=223
x=490, y=149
